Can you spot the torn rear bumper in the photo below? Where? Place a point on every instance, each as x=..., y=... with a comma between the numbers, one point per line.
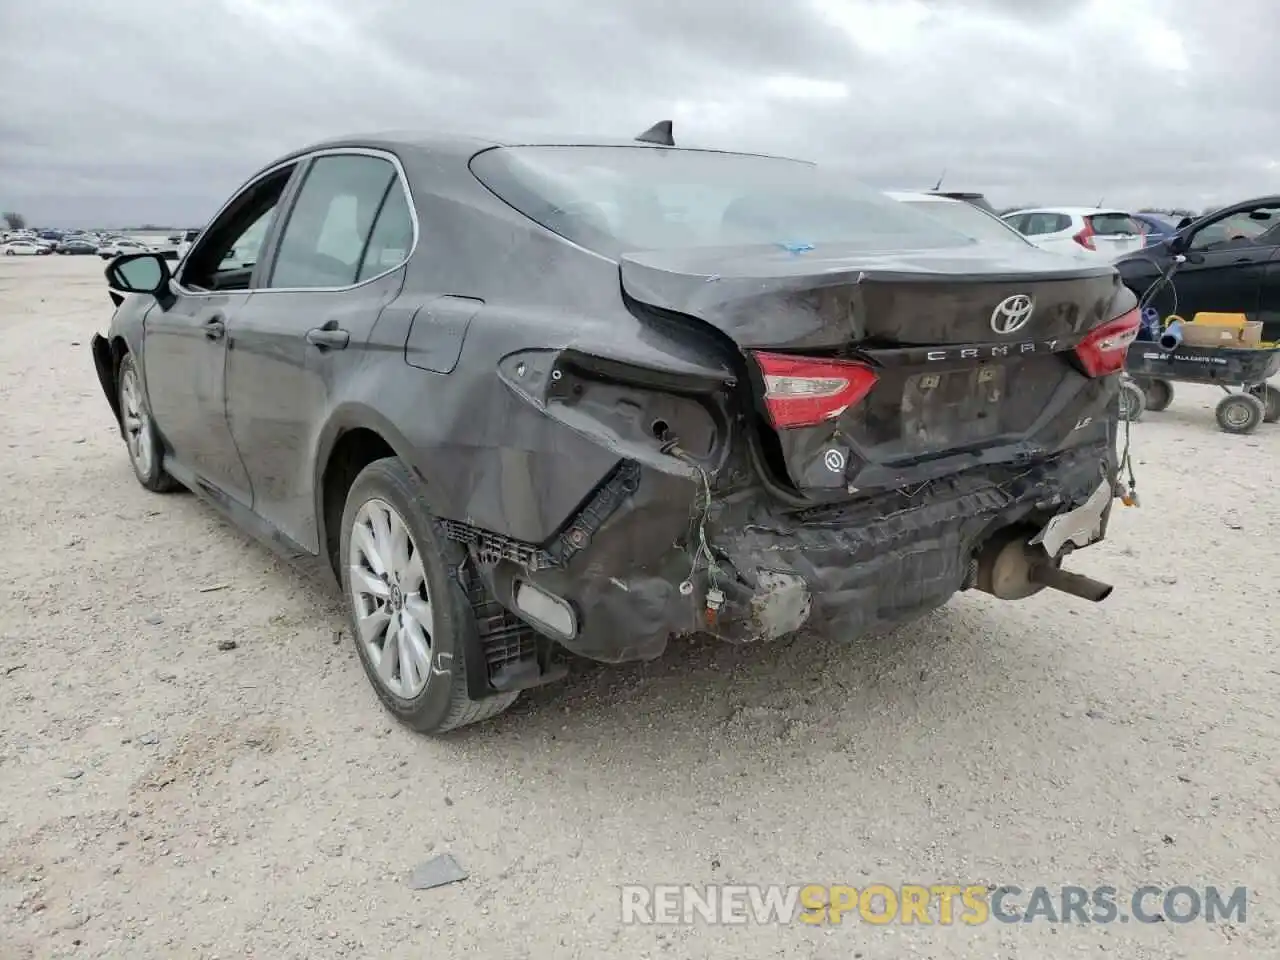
x=843, y=570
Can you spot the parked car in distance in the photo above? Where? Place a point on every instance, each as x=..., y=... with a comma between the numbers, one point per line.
x=120, y=245
x=1155, y=227
x=970, y=219
x=25, y=248
x=488, y=385
x=1104, y=234
x=76, y=245
x=1232, y=265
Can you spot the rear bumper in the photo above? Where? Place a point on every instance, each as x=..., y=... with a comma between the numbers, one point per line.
x=842, y=570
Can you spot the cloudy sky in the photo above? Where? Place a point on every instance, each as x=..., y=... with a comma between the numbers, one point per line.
x=123, y=111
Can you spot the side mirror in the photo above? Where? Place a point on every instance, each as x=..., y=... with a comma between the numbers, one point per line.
x=1184, y=223
x=140, y=273
x=1179, y=243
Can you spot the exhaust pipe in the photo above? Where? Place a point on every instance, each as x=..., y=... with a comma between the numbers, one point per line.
x=1010, y=568
x=1076, y=584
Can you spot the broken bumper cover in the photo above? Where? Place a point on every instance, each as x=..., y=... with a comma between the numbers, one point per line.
x=842, y=570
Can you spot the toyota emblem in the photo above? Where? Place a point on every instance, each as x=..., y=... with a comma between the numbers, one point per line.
x=1012, y=313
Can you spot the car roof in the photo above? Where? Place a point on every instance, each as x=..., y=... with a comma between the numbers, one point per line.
x=1070, y=211
x=462, y=146
x=915, y=195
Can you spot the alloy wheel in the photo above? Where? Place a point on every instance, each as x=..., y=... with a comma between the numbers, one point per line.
x=137, y=426
x=393, y=612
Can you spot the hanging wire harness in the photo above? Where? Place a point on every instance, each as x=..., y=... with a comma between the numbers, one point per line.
x=1129, y=497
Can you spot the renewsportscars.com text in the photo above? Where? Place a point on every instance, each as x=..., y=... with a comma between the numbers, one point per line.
x=929, y=904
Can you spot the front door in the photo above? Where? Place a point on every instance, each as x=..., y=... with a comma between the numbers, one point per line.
x=336, y=266
x=186, y=341
x=1226, y=260
x=183, y=361
x=1269, y=295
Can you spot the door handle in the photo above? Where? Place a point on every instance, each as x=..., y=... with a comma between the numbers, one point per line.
x=328, y=338
x=215, y=328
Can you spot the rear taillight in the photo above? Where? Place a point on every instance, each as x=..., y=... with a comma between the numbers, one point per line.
x=1103, y=351
x=1085, y=236
x=806, y=391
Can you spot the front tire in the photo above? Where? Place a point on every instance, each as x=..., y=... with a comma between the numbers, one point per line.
x=1240, y=413
x=140, y=435
x=409, y=615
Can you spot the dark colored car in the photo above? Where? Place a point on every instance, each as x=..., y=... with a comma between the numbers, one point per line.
x=75, y=246
x=1155, y=226
x=601, y=395
x=1232, y=266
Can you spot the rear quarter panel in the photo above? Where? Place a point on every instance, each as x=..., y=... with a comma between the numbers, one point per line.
x=489, y=456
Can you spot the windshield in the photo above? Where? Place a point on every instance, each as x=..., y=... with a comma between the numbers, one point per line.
x=970, y=221
x=618, y=199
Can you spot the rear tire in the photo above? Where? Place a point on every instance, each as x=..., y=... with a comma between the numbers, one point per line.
x=146, y=454
x=1270, y=397
x=1159, y=394
x=1132, y=401
x=1240, y=413
x=411, y=620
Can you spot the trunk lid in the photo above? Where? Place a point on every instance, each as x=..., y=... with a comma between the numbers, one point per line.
x=965, y=373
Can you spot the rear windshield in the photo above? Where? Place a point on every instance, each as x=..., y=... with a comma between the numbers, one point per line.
x=969, y=220
x=618, y=199
x=1113, y=223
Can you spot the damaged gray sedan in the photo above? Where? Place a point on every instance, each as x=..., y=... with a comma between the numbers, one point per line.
x=600, y=395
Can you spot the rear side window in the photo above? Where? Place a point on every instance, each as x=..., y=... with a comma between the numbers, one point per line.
x=1111, y=224
x=615, y=200
x=1038, y=224
x=391, y=241
x=323, y=243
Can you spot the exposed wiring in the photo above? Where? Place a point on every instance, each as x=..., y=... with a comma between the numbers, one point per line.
x=1165, y=278
x=702, y=549
x=697, y=535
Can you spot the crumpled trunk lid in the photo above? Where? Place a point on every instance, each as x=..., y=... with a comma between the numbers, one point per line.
x=971, y=349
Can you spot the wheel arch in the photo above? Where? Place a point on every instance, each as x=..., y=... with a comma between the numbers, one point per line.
x=354, y=437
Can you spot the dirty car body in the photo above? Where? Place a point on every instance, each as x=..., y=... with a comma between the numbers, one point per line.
x=676, y=391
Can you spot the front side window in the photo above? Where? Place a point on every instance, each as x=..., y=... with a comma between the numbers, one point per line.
x=229, y=249
x=323, y=242
x=617, y=199
x=1259, y=226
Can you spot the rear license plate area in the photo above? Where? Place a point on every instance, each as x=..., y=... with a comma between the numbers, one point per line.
x=953, y=408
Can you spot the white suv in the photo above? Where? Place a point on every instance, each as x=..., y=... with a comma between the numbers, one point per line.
x=1098, y=232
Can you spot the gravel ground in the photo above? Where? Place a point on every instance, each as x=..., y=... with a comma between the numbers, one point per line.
x=165, y=797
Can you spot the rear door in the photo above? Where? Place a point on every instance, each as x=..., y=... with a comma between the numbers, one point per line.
x=1115, y=234
x=337, y=263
